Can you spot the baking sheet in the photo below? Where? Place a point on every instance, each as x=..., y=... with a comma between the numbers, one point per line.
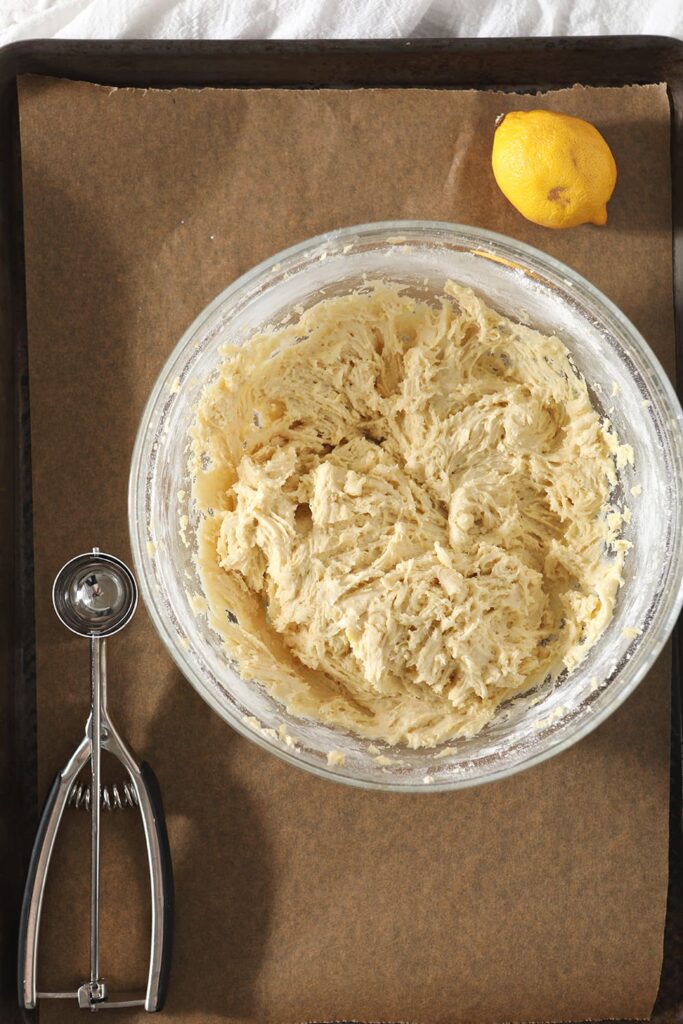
x=542, y=897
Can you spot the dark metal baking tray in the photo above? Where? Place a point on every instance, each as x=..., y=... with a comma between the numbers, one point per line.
x=508, y=64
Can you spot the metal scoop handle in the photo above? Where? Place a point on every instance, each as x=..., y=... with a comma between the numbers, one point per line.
x=160, y=870
x=160, y=867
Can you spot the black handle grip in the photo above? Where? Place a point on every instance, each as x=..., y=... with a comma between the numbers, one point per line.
x=29, y=887
x=154, y=792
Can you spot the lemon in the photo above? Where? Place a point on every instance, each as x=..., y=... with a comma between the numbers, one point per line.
x=557, y=170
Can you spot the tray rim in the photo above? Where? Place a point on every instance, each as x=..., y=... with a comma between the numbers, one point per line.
x=661, y=56
x=425, y=63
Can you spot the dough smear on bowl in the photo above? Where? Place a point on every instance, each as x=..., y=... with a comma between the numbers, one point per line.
x=405, y=512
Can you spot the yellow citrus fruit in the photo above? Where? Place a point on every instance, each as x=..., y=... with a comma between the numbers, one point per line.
x=557, y=170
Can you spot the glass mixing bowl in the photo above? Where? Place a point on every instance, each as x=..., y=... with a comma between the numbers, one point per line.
x=526, y=285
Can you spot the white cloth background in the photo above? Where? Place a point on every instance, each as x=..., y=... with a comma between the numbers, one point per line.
x=332, y=19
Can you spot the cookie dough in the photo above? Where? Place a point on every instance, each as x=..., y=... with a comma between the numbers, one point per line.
x=404, y=512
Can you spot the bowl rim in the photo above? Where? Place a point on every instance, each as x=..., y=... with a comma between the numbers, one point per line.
x=136, y=526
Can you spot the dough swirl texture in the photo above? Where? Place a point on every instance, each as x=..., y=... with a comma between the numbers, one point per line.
x=405, y=505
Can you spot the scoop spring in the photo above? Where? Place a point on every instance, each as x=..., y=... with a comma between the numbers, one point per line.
x=116, y=797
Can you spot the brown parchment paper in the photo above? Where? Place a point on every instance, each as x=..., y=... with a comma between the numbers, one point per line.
x=538, y=898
